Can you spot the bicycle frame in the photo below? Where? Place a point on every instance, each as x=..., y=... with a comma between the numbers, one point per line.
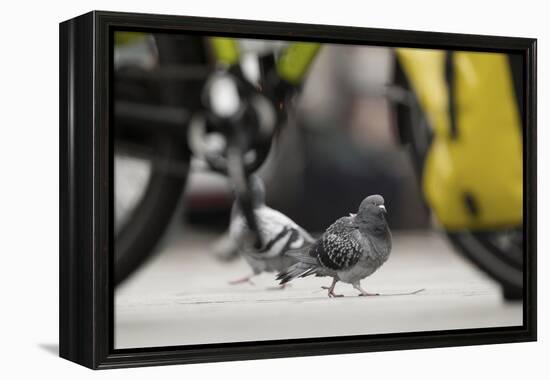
x=292, y=65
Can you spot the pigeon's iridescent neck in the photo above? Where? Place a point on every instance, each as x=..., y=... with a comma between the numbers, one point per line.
x=374, y=225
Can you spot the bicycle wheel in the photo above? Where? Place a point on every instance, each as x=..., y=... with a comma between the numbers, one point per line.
x=151, y=152
x=141, y=227
x=497, y=252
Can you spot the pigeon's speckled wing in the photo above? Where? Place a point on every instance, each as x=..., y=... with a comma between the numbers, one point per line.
x=338, y=249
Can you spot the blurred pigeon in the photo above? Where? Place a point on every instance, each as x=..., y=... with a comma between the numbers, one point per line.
x=351, y=249
x=279, y=234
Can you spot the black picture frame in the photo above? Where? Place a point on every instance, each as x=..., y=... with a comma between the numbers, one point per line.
x=86, y=191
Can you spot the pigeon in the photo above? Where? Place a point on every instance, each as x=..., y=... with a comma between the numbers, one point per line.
x=278, y=232
x=351, y=249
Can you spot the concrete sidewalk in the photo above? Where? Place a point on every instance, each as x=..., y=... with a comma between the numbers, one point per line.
x=182, y=297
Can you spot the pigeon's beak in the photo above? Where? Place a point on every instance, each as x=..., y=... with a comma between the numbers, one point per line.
x=383, y=208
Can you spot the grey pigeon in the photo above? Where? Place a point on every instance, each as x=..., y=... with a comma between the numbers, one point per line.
x=278, y=232
x=351, y=249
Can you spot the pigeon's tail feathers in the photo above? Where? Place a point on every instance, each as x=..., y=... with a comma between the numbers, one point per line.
x=306, y=265
x=294, y=271
x=302, y=255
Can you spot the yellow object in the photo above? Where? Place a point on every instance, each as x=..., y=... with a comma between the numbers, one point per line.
x=123, y=38
x=484, y=161
x=295, y=61
x=226, y=50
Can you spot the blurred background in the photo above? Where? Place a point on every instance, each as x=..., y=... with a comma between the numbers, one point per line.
x=437, y=133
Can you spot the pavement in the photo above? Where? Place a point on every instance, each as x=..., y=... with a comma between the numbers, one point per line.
x=182, y=297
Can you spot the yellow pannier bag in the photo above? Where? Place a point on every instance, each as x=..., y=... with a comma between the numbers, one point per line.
x=472, y=175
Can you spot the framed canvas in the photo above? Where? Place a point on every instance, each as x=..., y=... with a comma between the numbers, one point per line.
x=236, y=189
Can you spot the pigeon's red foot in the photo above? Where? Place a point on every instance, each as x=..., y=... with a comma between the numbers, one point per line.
x=332, y=294
x=242, y=281
x=331, y=291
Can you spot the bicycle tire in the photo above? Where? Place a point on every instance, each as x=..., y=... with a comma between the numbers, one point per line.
x=491, y=261
x=506, y=268
x=137, y=239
